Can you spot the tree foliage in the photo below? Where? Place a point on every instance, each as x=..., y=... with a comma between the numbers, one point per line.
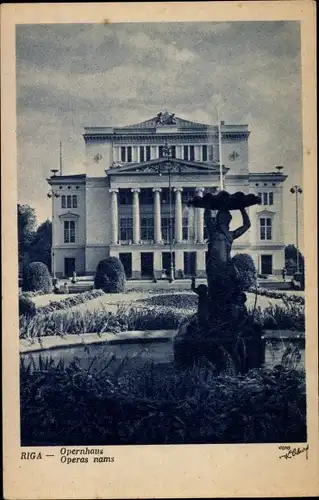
x=291, y=259
x=26, y=230
x=34, y=244
x=42, y=243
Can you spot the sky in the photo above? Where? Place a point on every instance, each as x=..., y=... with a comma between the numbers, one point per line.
x=74, y=75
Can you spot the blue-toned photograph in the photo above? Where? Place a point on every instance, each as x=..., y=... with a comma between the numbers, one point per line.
x=160, y=233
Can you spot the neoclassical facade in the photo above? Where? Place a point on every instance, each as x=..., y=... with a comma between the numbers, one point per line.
x=132, y=200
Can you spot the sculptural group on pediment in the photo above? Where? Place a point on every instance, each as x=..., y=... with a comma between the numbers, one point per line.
x=165, y=118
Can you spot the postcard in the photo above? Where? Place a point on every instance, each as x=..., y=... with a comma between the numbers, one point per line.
x=159, y=250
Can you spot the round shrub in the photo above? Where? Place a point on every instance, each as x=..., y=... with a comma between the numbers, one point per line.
x=26, y=306
x=110, y=276
x=37, y=278
x=246, y=269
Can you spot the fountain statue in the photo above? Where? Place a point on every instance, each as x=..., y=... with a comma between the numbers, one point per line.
x=222, y=329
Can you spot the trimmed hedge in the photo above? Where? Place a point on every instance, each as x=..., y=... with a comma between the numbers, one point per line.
x=247, y=270
x=110, y=276
x=37, y=278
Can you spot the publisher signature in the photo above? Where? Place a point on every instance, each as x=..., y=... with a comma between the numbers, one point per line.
x=293, y=452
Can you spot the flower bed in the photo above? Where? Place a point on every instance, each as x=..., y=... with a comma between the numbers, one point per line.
x=157, y=404
x=291, y=316
x=275, y=294
x=30, y=295
x=71, y=301
x=76, y=322
x=178, y=300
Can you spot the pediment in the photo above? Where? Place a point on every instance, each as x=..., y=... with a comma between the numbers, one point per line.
x=164, y=119
x=68, y=215
x=265, y=213
x=163, y=165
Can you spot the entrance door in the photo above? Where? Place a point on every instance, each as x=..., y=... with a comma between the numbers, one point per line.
x=166, y=262
x=126, y=259
x=147, y=264
x=266, y=264
x=190, y=263
x=69, y=266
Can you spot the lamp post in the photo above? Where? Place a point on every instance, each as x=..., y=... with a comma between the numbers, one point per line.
x=167, y=153
x=297, y=191
x=53, y=194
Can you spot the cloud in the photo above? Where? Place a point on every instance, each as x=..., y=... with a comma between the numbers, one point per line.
x=71, y=76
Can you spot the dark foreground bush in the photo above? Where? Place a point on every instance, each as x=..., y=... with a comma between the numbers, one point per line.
x=110, y=276
x=37, y=278
x=156, y=404
x=26, y=306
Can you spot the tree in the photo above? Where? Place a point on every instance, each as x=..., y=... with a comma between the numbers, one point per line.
x=40, y=248
x=291, y=259
x=26, y=229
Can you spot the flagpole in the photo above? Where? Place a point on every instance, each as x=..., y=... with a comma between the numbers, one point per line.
x=61, y=164
x=220, y=150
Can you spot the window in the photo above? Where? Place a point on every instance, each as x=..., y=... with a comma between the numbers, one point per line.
x=69, y=231
x=210, y=153
x=186, y=157
x=146, y=196
x=142, y=155
x=126, y=229
x=265, y=228
x=147, y=228
x=271, y=198
x=160, y=151
x=185, y=229
x=69, y=201
x=187, y=194
x=191, y=153
x=129, y=154
x=125, y=197
x=148, y=153
x=266, y=198
x=167, y=226
x=173, y=151
x=165, y=195
x=123, y=155
x=204, y=153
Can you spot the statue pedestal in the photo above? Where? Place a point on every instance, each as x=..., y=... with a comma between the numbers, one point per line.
x=225, y=347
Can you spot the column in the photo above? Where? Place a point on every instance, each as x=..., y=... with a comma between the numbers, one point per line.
x=200, y=219
x=200, y=264
x=136, y=215
x=157, y=215
x=178, y=215
x=179, y=263
x=136, y=265
x=114, y=216
x=198, y=155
